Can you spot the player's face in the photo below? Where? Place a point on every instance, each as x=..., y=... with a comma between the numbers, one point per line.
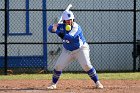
x=68, y=22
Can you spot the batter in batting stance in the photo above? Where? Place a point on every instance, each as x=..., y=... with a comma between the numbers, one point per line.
x=74, y=47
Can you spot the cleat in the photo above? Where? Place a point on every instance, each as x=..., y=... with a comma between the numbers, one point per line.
x=99, y=85
x=52, y=86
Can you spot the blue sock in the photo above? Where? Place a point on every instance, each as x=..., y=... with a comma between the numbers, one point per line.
x=56, y=75
x=92, y=74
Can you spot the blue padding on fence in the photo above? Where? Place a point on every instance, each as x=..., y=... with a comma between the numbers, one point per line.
x=1, y=62
x=23, y=61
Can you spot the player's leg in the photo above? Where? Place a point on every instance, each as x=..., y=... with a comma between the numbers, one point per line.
x=61, y=63
x=63, y=60
x=84, y=60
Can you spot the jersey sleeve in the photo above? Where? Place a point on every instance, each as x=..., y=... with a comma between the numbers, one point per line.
x=73, y=35
x=50, y=28
x=60, y=34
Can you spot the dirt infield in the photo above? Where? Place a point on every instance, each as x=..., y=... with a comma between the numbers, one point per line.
x=69, y=86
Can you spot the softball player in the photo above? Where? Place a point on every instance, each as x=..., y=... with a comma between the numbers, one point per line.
x=74, y=47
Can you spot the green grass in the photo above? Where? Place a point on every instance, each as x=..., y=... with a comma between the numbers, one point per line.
x=102, y=76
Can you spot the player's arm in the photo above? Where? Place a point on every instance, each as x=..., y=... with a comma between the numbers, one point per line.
x=60, y=34
x=52, y=28
x=73, y=35
x=55, y=29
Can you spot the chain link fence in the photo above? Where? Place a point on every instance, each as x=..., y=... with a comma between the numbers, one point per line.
x=110, y=27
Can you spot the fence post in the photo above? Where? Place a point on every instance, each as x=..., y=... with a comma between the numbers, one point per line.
x=5, y=37
x=44, y=15
x=134, y=37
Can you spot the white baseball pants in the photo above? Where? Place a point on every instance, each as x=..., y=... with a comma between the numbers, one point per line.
x=81, y=55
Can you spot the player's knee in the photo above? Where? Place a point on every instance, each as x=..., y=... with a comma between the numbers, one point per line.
x=87, y=67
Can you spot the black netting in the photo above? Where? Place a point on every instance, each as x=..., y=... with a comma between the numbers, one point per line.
x=2, y=26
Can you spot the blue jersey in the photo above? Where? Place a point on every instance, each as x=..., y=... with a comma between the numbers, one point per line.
x=72, y=39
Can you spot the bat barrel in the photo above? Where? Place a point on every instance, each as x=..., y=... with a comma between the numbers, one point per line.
x=69, y=6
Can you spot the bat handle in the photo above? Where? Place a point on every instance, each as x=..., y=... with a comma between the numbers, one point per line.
x=60, y=19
